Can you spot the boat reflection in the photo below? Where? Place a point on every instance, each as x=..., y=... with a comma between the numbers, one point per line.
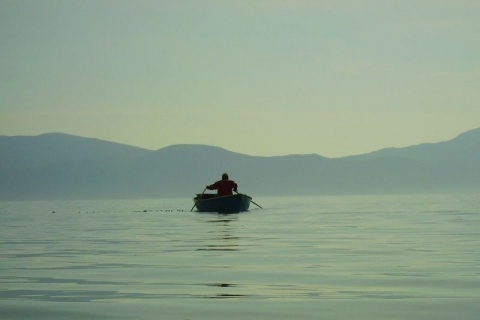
x=222, y=237
x=224, y=295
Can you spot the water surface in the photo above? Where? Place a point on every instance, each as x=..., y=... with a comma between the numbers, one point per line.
x=364, y=257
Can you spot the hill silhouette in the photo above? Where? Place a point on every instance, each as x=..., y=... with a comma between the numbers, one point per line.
x=61, y=166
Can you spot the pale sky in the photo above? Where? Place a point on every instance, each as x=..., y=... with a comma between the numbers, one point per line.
x=260, y=77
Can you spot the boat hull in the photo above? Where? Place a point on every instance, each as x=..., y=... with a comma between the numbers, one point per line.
x=225, y=204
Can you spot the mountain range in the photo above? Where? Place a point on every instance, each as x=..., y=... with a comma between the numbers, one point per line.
x=61, y=166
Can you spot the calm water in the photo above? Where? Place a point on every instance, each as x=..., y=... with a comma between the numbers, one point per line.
x=368, y=257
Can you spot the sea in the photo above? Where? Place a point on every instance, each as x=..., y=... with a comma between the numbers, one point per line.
x=318, y=257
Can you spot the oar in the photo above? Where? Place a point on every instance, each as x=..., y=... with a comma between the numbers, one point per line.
x=250, y=199
x=202, y=195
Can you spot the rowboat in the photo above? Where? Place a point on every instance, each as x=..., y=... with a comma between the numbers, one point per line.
x=208, y=202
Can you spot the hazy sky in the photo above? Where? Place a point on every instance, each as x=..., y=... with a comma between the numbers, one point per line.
x=261, y=77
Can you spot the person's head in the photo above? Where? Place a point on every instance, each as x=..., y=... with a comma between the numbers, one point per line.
x=225, y=176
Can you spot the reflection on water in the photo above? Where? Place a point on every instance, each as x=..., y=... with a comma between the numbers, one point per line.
x=218, y=248
x=313, y=255
x=222, y=237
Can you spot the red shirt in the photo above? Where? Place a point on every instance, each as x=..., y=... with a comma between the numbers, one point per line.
x=223, y=187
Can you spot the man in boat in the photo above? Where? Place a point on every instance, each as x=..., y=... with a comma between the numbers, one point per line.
x=224, y=187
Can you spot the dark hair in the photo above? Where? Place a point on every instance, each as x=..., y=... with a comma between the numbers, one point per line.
x=225, y=176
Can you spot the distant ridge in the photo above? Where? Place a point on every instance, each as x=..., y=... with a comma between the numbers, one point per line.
x=464, y=147
x=62, y=166
x=59, y=147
